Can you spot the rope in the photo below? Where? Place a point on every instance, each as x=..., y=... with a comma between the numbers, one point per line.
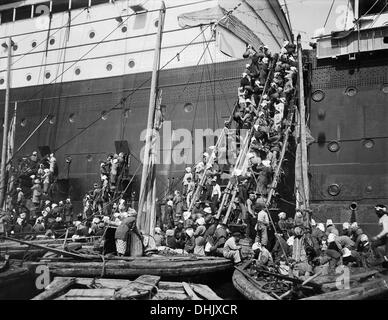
x=378, y=16
x=328, y=15
x=147, y=284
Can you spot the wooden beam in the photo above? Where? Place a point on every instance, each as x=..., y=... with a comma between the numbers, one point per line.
x=55, y=287
x=190, y=291
x=65, y=253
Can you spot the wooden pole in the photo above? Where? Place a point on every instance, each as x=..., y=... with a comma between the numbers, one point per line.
x=208, y=164
x=303, y=143
x=58, y=251
x=142, y=218
x=5, y=127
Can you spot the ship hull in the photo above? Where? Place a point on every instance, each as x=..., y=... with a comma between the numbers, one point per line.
x=350, y=118
x=196, y=98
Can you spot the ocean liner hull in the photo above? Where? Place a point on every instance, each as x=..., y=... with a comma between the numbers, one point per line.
x=348, y=116
x=195, y=98
x=72, y=69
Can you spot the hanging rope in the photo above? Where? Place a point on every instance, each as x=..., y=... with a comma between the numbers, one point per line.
x=328, y=15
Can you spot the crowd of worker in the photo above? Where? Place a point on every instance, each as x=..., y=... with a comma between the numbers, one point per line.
x=192, y=220
x=32, y=211
x=196, y=225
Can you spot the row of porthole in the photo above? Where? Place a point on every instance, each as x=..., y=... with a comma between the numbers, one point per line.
x=72, y=117
x=334, y=146
x=319, y=95
x=77, y=71
x=335, y=189
x=92, y=34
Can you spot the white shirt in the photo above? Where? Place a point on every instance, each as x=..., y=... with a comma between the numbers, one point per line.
x=230, y=244
x=384, y=223
x=216, y=190
x=262, y=216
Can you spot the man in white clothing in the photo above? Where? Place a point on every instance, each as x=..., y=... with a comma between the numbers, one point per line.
x=215, y=195
x=231, y=249
x=262, y=225
x=382, y=238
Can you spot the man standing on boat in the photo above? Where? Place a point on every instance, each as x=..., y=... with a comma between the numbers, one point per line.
x=382, y=238
x=215, y=194
x=262, y=225
x=251, y=216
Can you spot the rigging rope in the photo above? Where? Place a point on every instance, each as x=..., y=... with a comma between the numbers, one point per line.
x=328, y=15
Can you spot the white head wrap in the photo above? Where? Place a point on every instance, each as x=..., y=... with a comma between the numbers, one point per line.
x=200, y=221
x=331, y=238
x=190, y=232
x=321, y=227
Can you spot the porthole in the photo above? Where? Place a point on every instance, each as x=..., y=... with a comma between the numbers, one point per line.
x=351, y=91
x=92, y=34
x=15, y=47
x=72, y=118
x=369, y=189
x=333, y=146
x=124, y=29
x=1, y=81
x=385, y=88
x=188, y=107
x=334, y=189
x=318, y=95
x=104, y=115
x=89, y=158
x=156, y=23
x=28, y=77
x=109, y=67
x=77, y=71
x=131, y=63
x=23, y=122
x=48, y=75
x=52, y=41
x=368, y=143
x=33, y=44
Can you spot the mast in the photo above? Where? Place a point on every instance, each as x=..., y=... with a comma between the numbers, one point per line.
x=146, y=210
x=5, y=127
x=301, y=172
x=10, y=151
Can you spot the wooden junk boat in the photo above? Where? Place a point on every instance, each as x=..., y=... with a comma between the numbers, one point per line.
x=90, y=263
x=145, y=287
x=129, y=267
x=260, y=284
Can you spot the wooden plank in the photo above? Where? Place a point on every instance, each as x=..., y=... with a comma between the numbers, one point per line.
x=190, y=291
x=167, y=285
x=170, y=285
x=167, y=295
x=115, y=284
x=90, y=293
x=54, y=288
x=205, y=291
x=143, y=285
